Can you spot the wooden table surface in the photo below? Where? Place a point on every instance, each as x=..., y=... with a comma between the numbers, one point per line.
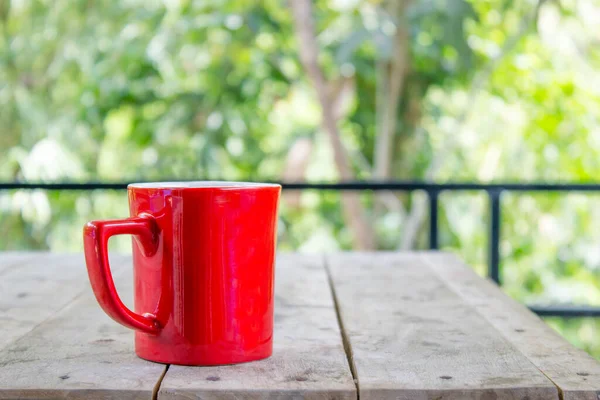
x=347, y=326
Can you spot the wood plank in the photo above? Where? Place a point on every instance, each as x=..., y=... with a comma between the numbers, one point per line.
x=308, y=361
x=10, y=259
x=575, y=372
x=411, y=337
x=36, y=285
x=79, y=353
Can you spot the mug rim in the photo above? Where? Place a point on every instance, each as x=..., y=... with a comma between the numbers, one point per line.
x=202, y=185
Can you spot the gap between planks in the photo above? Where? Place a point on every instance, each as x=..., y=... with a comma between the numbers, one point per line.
x=484, y=296
x=159, y=382
x=561, y=395
x=558, y=389
x=309, y=360
x=345, y=339
x=389, y=304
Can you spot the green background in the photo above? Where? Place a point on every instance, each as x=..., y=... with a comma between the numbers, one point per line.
x=490, y=91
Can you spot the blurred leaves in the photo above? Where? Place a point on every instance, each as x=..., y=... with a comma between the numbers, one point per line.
x=187, y=89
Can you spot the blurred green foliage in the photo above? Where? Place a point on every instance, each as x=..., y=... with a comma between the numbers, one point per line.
x=496, y=90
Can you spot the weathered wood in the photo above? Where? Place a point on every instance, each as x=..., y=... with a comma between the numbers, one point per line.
x=10, y=259
x=411, y=337
x=419, y=326
x=79, y=352
x=572, y=370
x=308, y=361
x=34, y=287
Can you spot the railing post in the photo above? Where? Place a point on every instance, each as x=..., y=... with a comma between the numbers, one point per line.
x=433, y=195
x=494, y=238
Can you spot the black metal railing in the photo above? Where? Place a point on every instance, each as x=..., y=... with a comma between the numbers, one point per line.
x=494, y=192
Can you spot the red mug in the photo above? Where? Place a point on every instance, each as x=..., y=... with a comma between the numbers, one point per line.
x=203, y=262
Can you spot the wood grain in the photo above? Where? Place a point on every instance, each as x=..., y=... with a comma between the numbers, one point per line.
x=35, y=286
x=411, y=337
x=78, y=352
x=419, y=326
x=10, y=259
x=572, y=370
x=308, y=361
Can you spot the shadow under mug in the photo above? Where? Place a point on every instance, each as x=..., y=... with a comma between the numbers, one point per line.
x=203, y=262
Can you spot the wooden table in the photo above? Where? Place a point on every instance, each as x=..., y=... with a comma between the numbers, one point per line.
x=379, y=325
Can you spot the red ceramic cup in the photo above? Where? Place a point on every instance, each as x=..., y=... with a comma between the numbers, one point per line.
x=203, y=262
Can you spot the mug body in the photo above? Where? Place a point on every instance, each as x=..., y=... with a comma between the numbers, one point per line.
x=210, y=282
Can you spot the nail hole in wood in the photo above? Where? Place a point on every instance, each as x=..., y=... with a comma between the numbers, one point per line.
x=104, y=340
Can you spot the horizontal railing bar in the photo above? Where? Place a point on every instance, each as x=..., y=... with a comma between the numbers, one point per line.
x=375, y=186
x=566, y=311
x=432, y=188
x=63, y=186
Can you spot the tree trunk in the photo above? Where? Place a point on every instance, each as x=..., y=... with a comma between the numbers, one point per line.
x=394, y=78
x=362, y=232
x=418, y=213
x=390, y=76
x=296, y=164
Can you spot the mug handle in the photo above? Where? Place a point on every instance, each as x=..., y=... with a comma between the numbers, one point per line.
x=95, y=240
